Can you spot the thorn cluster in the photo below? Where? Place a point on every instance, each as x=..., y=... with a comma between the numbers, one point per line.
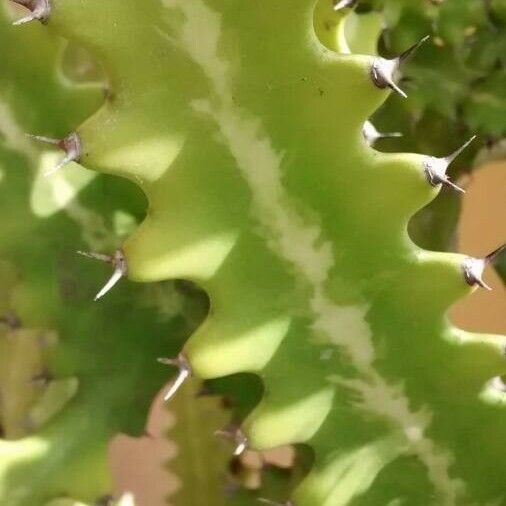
x=383, y=71
x=70, y=144
x=119, y=263
x=435, y=168
x=474, y=268
x=40, y=10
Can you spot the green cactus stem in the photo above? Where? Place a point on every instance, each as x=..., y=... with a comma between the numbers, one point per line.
x=245, y=132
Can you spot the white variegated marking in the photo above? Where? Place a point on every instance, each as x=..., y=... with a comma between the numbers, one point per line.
x=391, y=402
x=301, y=244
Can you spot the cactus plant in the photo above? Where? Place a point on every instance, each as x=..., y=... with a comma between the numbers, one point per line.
x=455, y=90
x=243, y=125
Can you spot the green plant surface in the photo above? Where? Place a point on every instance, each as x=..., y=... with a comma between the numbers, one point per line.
x=245, y=134
x=72, y=374
x=201, y=461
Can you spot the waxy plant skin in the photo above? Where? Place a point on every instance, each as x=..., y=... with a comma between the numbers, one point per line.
x=248, y=127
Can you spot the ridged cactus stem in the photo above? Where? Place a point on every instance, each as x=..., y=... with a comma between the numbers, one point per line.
x=244, y=128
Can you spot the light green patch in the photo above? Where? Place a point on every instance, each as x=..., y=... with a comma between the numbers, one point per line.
x=54, y=193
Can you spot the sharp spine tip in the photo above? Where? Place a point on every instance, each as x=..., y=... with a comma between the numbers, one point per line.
x=451, y=184
x=22, y=21
x=399, y=91
x=185, y=371
x=492, y=256
x=371, y=134
x=408, y=52
x=96, y=256
x=42, y=138
x=343, y=4
x=450, y=158
x=119, y=263
x=237, y=436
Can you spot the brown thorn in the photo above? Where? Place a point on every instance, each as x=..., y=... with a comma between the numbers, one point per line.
x=185, y=371
x=383, y=70
x=70, y=144
x=473, y=269
x=119, y=264
x=40, y=10
x=435, y=168
x=237, y=436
